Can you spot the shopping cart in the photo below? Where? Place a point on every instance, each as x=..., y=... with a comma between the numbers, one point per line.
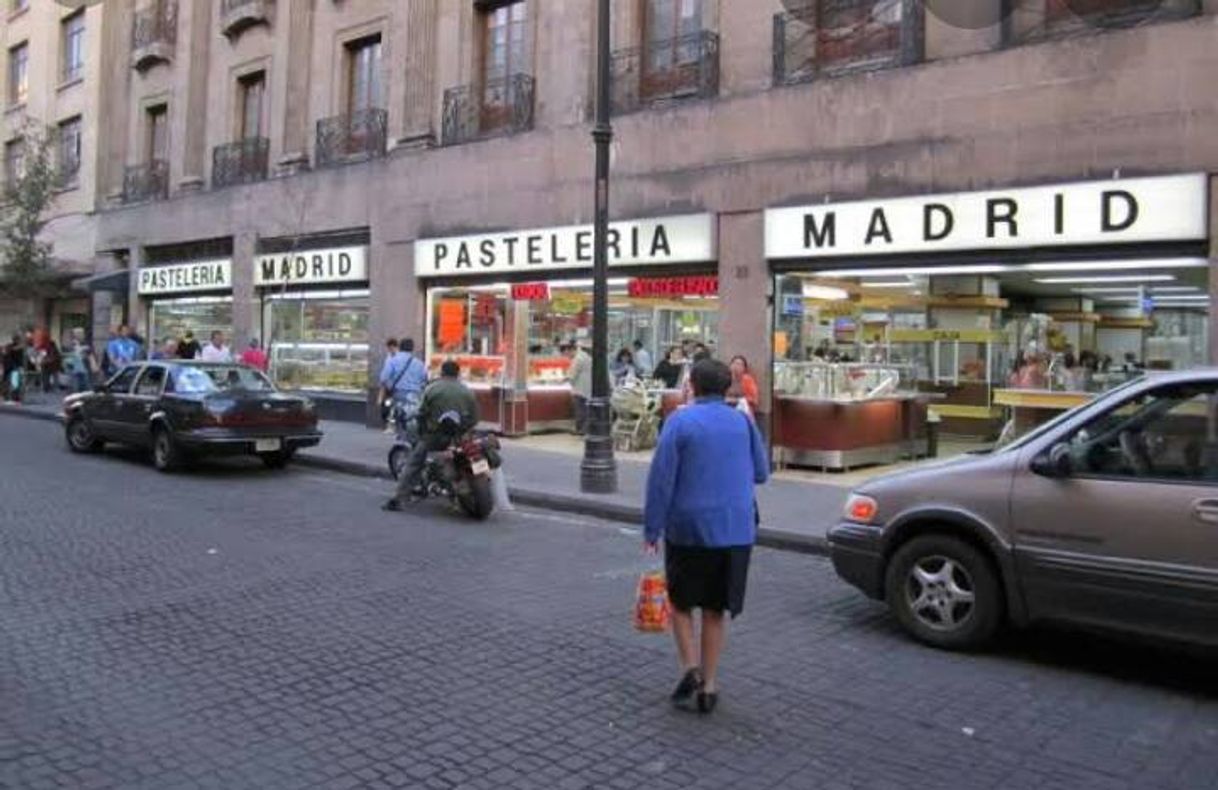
x=636, y=422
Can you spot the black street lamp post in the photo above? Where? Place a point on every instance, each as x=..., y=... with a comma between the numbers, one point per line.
x=598, y=472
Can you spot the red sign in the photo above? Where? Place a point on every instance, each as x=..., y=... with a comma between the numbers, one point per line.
x=531, y=292
x=661, y=287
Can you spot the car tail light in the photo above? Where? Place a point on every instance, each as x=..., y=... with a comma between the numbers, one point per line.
x=861, y=509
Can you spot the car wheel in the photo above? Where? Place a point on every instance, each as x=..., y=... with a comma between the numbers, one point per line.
x=277, y=460
x=166, y=456
x=945, y=592
x=80, y=435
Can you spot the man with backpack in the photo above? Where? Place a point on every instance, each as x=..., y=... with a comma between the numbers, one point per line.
x=403, y=377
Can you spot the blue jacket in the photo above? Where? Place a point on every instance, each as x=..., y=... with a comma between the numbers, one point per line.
x=700, y=487
x=122, y=351
x=411, y=382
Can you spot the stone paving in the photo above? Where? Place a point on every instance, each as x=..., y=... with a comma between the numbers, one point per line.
x=239, y=628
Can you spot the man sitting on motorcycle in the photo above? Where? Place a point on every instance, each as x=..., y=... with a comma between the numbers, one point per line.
x=447, y=396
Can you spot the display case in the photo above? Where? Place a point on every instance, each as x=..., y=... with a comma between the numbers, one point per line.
x=338, y=367
x=962, y=366
x=844, y=381
x=475, y=369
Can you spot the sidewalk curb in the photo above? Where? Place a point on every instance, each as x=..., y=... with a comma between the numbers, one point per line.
x=769, y=537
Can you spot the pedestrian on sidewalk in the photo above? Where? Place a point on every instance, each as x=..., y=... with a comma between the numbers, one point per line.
x=701, y=503
x=744, y=387
x=189, y=347
x=215, y=350
x=254, y=357
x=14, y=369
x=580, y=376
x=122, y=350
x=403, y=378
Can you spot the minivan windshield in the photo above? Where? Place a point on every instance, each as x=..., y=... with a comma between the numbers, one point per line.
x=1052, y=424
x=206, y=380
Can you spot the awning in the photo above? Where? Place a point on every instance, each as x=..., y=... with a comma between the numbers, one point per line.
x=112, y=282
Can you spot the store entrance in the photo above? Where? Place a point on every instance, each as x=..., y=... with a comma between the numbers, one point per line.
x=968, y=355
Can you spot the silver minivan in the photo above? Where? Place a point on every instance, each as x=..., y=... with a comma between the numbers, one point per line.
x=1107, y=516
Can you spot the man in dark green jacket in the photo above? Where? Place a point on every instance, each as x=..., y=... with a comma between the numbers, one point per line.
x=447, y=397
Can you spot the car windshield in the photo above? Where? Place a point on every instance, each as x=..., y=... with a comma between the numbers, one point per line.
x=203, y=380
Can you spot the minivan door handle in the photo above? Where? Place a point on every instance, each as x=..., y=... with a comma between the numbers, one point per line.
x=1206, y=510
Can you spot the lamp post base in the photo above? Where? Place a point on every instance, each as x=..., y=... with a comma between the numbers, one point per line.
x=598, y=471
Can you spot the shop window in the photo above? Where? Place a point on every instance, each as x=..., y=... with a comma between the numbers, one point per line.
x=171, y=319
x=506, y=52
x=18, y=74
x=828, y=37
x=319, y=341
x=251, y=90
x=364, y=75
x=67, y=152
x=72, y=47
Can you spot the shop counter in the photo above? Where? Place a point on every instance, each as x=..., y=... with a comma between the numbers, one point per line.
x=550, y=408
x=841, y=434
x=1031, y=408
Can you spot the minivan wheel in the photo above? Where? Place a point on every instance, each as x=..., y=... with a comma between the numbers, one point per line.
x=944, y=592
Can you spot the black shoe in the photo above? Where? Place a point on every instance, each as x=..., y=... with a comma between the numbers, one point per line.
x=393, y=506
x=707, y=700
x=690, y=684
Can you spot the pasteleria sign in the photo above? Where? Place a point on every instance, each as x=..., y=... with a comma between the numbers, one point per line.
x=682, y=239
x=1120, y=211
x=312, y=267
x=191, y=277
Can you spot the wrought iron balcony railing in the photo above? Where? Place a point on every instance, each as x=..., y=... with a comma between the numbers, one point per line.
x=832, y=37
x=149, y=181
x=352, y=138
x=1069, y=17
x=664, y=71
x=242, y=162
x=237, y=15
x=154, y=33
x=497, y=107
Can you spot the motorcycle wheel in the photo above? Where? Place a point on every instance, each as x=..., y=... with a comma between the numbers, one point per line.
x=397, y=461
x=479, y=500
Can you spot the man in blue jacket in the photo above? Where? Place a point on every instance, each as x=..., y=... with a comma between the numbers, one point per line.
x=122, y=349
x=700, y=501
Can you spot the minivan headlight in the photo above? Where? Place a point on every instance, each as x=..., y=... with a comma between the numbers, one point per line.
x=861, y=509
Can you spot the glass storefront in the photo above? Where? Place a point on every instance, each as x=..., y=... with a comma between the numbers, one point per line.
x=171, y=319
x=318, y=340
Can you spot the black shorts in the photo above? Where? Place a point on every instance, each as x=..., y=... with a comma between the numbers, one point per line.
x=710, y=578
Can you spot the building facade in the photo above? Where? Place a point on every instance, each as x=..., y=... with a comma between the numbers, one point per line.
x=322, y=175
x=52, y=82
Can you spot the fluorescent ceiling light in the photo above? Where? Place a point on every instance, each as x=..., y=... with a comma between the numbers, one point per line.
x=889, y=284
x=911, y=271
x=1099, y=266
x=824, y=292
x=1181, y=298
x=1130, y=278
x=1163, y=289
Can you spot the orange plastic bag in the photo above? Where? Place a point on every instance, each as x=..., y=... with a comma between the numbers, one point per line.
x=651, y=611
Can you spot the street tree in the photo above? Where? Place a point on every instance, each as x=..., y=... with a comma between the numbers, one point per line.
x=26, y=264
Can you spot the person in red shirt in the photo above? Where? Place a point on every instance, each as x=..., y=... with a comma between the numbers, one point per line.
x=254, y=356
x=744, y=386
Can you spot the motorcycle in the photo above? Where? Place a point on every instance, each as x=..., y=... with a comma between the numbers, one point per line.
x=460, y=473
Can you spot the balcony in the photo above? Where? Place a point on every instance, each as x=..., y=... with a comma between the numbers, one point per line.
x=242, y=162
x=1073, y=17
x=352, y=138
x=830, y=38
x=494, y=108
x=149, y=181
x=238, y=15
x=666, y=71
x=154, y=35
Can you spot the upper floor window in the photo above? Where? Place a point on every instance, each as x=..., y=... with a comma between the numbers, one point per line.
x=18, y=73
x=156, y=132
x=14, y=161
x=669, y=27
x=827, y=37
x=364, y=91
x=1069, y=16
x=252, y=92
x=68, y=148
x=506, y=52
x=72, y=37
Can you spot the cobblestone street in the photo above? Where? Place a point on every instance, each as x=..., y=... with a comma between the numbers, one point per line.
x=240, y=628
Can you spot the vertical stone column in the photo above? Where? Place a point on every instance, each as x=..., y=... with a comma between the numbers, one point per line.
x=1213, y=324
x=193, y=63
x=744, y=310
x=247, y=307
x=103, y=302
x=295, y=50
x=397, y=305
x=137, y=313
x=422, y=22
x=515, y=403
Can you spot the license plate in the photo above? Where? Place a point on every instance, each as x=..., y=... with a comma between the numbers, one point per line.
x=480, y=467
x=268, y=445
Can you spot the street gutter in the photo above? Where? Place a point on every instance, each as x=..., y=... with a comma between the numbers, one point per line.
x=769, y=537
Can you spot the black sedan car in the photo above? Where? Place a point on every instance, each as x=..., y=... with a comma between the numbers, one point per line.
x=181, y=410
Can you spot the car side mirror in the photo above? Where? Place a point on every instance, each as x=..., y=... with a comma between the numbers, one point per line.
x=1055, y=463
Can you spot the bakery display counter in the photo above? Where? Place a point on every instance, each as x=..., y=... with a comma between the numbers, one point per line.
x=841, y=434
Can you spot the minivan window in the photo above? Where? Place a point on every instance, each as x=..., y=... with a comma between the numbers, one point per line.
x=1053, y=424
x=1165, y=434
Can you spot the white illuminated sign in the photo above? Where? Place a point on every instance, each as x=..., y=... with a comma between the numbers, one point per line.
x=1120, y=211
x=683, y=239
x=312, y=267
x=186, y=278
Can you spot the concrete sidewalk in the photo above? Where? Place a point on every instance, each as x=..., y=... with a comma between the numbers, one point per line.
x=794, y=515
